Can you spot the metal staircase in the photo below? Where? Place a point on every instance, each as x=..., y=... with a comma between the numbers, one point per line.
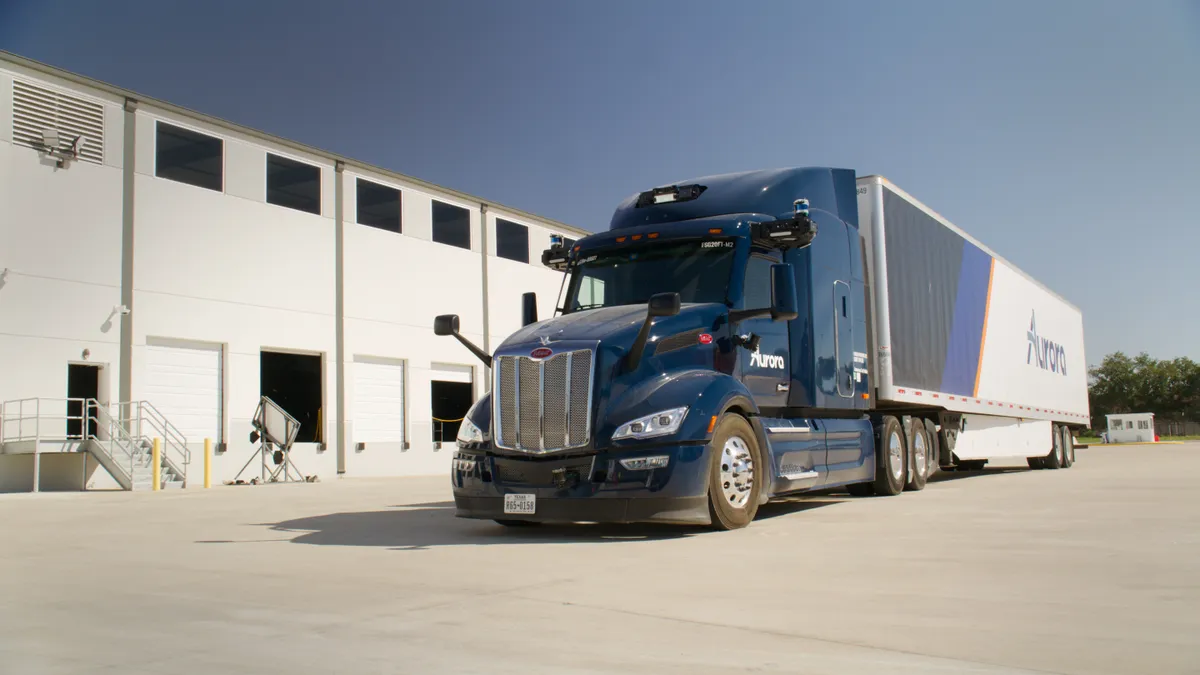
x=121, y=443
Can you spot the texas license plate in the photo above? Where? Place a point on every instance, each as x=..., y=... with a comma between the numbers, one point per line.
x=520, y=504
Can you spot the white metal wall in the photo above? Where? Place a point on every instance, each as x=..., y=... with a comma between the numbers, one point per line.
x=226, y=270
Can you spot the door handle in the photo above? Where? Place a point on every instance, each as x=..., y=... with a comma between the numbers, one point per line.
x=782, y=387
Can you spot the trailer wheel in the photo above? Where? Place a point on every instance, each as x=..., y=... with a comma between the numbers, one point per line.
x=736, y=474
x=918, y=458
x=1054, y=460
x=935, y=449
x=1068, y=445
x=891, y=458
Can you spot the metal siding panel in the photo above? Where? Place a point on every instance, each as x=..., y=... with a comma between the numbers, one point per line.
x=184, y=384
x=378, y=402
x=924, y=264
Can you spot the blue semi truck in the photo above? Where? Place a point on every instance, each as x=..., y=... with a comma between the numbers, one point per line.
x=732, y=339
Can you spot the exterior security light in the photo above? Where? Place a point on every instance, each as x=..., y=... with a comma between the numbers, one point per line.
x=121, y=310
x=50, y=138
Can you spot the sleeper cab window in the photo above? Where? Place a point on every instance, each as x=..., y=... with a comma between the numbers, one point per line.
x=187, y=156
x=451, y=225
x=378, y=206
x=295, y=185
x=512, y=240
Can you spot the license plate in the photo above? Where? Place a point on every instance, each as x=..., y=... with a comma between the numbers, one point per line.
x=521, y=504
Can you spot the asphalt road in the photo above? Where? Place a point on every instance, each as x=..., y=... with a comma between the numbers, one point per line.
x=1095, y=569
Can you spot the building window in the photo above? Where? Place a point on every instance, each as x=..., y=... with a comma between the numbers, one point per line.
x=512, y=240
x=378, y=206
x=1116, y=425
x=188, y=157
x=451, y=225
x=293, y=184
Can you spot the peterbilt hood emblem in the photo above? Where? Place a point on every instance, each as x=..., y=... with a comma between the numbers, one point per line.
x=545, y=340
x=541, y=352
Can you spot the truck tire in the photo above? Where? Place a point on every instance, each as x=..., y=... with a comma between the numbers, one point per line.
x=918, y=457
x=935, y=447
x=1068, y=445
x=736, y=474
x=1055, y=458
x=891, y=458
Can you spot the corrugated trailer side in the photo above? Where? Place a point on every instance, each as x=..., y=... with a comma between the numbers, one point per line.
x=957, y=327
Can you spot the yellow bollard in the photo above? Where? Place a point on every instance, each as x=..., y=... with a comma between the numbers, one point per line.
x=207, y=463
x=156, y=464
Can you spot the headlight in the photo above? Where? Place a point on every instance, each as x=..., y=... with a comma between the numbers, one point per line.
x=469, y=433
x=658, y=424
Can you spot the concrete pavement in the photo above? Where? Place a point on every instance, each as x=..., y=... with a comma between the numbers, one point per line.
x=1095, y=569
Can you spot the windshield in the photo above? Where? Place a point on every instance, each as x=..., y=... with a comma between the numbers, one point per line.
x=697, y=270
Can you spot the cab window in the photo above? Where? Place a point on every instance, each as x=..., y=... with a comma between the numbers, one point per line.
x=757, y=293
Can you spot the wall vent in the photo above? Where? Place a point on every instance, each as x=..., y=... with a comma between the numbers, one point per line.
x=36, y=109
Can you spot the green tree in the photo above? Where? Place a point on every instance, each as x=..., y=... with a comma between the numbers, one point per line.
x=1168, y=388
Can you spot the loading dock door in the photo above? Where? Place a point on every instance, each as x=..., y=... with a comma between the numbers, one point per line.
x=184, y=383
x=452, y=393
x=378, y=401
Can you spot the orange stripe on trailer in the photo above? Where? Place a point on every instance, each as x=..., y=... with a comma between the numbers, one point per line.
x=987, y=308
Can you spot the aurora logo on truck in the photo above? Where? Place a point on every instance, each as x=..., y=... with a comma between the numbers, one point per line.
x=767, y=361
x=1043, y=352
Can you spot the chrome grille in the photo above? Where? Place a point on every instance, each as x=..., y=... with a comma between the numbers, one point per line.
x=544, y=405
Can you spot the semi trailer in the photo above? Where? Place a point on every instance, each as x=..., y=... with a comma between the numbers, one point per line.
x=736, y=338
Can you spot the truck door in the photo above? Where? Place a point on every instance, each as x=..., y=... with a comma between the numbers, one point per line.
x=842, y=320
x=765, y=371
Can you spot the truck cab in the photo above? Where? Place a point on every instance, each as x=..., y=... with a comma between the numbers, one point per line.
x=708, y=352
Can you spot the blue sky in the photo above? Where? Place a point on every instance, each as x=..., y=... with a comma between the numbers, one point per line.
x=1062, y=134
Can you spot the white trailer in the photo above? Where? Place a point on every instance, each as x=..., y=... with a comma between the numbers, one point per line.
x=959, y=329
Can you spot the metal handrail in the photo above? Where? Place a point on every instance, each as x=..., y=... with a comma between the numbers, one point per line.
x=23, y=420
x=117, y=436
x=173, y=439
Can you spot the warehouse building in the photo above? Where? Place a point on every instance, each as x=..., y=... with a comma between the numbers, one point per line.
x=159, y=264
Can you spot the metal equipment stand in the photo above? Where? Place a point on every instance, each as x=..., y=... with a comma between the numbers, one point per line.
x=275, y=432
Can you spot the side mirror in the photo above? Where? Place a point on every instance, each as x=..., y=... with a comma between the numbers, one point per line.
x=663, y=304
x=447, y=324
x=528, y=308
x=784, y=304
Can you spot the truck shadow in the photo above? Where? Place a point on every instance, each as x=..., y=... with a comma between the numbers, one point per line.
x=421, y=526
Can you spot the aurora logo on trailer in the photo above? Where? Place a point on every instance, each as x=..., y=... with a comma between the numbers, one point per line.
x=1045, y=354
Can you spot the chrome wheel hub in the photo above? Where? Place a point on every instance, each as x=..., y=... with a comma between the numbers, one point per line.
x=896, y=455
x=737, y=472
x=919, y=454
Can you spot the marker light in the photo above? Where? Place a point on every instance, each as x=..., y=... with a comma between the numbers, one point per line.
x=645, y=463
x=659, y=424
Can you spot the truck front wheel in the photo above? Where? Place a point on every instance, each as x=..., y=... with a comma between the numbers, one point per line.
x=891, y=458
x=736, y=474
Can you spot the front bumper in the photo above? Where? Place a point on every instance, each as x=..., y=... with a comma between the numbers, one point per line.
x=591, y=487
